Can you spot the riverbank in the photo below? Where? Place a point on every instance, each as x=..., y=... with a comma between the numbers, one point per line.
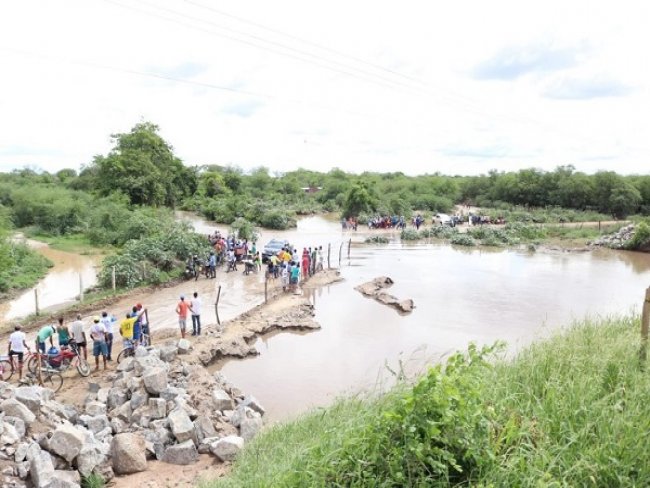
x=565, y=410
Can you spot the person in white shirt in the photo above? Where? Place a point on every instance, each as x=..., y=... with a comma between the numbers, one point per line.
x=17, y=346
x=195, y=308
x=79, y=336
x=108, y=325
x=98, y=335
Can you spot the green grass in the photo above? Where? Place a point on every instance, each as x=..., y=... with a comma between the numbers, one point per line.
x=573, y=410
x=74, y=243
x=20, y=267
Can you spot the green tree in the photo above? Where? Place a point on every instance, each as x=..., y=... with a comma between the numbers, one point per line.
x=358, y=200
x=624, y=200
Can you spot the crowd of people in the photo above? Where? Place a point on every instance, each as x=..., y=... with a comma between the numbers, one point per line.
x=292, y=267
x=134, y=330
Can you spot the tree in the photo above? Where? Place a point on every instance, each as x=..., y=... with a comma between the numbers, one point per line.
x=143, y=166
x=624, y=200
x=359, y=199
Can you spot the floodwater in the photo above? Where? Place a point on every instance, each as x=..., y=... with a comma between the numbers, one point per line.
x=60, y=286
x=461, y=295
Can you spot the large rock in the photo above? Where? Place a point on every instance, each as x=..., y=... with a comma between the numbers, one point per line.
x=116, y=397
x=66, y=441
x=251, y=402
x=9, y=435
x=158, y=408
x=41, y=468
x=138, y=399
x=95, y=424
x=144, y=364
x=95, y=408
x=141, y=352
x=204, y=428
x=221, y=400
x=64, y=479
x=242, y=412
x=18, y=424
x=92, y=454
x=32, y=396
x=155, y=381
x=183, y=453
x=171, y=393
x=126, y=364
x=250, y=427
x=122, y=412
x=168, y=353
x=227, y=448
x=128, y=453
x=15, y=408
x=181, y=425
x=184, y=346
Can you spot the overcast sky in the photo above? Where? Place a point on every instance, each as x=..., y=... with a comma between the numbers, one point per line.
x=416, y=86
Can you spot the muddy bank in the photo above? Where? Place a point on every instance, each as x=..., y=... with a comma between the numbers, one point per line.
x=375, y=289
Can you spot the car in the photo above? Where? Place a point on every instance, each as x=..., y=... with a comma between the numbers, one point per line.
x=273, y=247
x=443, y=219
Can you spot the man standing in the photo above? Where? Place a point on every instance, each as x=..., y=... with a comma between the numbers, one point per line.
x=98, y=335
x=181, y=309
x=195, y=307
x=17, y=346
x=79, y=336
x=212, y=264
x=108, y=325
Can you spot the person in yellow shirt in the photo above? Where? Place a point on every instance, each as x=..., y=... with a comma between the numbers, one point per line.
x=126, y=329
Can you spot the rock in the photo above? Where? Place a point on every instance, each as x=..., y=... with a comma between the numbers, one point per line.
x=64, y=479
x=9, y=435
x=21, y=452
x=158, y=408
x=102, y=395
x=250, y=427
x=406, y=305
x=183, y=453
x=116, y=397
x=61, y=410
x=18, y=424
x=181, y=425
x=23, y=470
x=372, y=287
x=221, y=400
x=66, y=441
x=126, y=365
x=95, y=408
x=41, y=468
x=227, y=448
x=15, y=408
x=146, y=363
x=141, y=352
x=122, y=412
x=204, y=428
x=32, y=396
x=168, y=353
x=92, y=455
x=251, y=402
x=138, y=398
x=118, y=425
x=128, y=454
x=171, y=393
x=104, y=433
x=135, y=383
x=95, y=424
x=155, y=381
x=184, y=346
x=94, y=387
x=242, y=412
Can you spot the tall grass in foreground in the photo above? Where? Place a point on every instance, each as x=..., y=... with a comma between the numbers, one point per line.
x=570, y=411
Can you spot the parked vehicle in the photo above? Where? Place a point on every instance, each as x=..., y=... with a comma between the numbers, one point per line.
x=443, y=219
x=273, y=247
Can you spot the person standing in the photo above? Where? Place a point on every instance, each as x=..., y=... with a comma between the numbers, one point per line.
x=98, y=335
x=63, y=333
x=212, y=263
x=79, y=336
x=17, y=346
x=195, y=307
x=108, y=325
x=181, y=309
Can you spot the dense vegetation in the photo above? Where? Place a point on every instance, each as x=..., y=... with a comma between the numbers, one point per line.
x=571, y=411
x=126, y=195
x=20, y=267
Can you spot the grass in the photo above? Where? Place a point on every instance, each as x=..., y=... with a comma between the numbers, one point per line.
x=74, y=243
x=20, y=267
x=573, y=410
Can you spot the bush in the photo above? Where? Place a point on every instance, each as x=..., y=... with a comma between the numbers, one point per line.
x=377, y=240
x=463, y=240
x=244, y=229
x=409, y=235
x=641, y=237
x=276, y=219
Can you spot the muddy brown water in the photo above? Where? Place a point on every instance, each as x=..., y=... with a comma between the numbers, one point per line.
x=461, y=295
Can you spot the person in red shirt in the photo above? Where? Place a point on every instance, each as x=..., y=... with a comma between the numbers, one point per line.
x=181, y=309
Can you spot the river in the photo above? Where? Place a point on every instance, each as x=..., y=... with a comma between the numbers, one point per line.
x=461, y=295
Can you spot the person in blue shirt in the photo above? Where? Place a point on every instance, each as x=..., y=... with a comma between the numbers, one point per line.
x=212, y=264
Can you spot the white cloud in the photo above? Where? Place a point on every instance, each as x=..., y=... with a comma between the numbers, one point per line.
x=458, y=87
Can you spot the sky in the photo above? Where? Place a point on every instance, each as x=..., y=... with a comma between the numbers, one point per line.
x=418, y=86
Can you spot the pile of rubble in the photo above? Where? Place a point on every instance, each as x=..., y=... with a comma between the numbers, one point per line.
x=158, y=407
x=617, y=240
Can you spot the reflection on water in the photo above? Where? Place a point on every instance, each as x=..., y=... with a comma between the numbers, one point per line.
x=60, y=286
x=461, y=296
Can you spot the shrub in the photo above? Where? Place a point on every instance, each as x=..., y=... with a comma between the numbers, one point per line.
x=377, y=240
x=409, y=235
x=462, y=240
x=641, y=237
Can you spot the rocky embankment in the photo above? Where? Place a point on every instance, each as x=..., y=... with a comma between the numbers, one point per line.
x=617, y=240
x=375, y=289
x=157, y=407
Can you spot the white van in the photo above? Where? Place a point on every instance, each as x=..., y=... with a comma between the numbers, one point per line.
x=443, y=219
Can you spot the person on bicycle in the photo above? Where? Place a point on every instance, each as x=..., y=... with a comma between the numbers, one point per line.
x=126, y=330
x=63, y=333
x=17, y=346
x=98, y=335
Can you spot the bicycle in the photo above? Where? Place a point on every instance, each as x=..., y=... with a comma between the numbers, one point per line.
x=129, y=347
x=61, y=361
x=50, y=378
